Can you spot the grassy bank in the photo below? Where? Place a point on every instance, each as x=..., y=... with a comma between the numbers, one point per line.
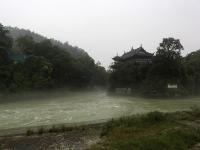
x=152, y=131
x=62, y=128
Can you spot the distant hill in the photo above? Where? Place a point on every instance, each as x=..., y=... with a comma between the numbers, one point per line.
x=76, y=52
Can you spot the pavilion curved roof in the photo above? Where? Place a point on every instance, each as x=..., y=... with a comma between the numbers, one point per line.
x=139, y=52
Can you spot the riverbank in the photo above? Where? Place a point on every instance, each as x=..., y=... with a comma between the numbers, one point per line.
x=151, y=131
x=76, y=137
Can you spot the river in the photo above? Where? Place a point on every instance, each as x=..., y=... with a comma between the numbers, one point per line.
x=76, y=107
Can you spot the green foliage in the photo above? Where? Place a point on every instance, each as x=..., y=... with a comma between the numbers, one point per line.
x=3, y=56
x=100, y=76
x=41, y=130
x=155, y=117
x=44, y=63
x=5, y=40
x=141, y=121
x=53, y=129
x=167, y=67
x=67, y=71
x=152, y=131
x=25, y=44
x=192, y=66
x=128, y=74
x=170, y=49
x=61, y=129
x=29, y=132
x=5, y=66
x=17, y=33
x=37, y=72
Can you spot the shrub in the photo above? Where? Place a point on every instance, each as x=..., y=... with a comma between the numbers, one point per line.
x=29, y=132
x=63, y=128
x=155, y=116
x=41, y=130
x=53, y=129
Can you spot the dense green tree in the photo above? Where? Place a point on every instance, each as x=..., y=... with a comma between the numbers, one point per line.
x=5, y=40
x=128, y=74
x=5, y=68
x=44, y=64
x=170, y=48
x=37, y=72
x=100, y=76
x=26, y=44
x=5, y=77
x=167, y=67
x=67, y=71
x=5, y=44
x=17, y=33
x=192, y=68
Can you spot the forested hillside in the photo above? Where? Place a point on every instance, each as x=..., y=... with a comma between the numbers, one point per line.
x=16, y=33
x=30, y=61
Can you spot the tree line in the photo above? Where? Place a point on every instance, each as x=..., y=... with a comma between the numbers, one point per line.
x=26, y=64
x=167, y=67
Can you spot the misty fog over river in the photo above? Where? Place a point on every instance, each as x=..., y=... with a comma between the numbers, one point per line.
x=77, y=107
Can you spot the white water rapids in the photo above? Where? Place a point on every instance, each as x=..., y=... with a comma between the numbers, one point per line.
x=76, y=107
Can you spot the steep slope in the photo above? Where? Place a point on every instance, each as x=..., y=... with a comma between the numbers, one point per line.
x=76, y=52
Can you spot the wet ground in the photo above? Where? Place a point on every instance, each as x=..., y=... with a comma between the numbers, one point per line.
x=78, y=139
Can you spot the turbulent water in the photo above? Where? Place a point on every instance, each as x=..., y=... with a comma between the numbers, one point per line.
x=76, y=107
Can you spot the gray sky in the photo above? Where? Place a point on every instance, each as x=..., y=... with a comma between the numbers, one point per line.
x=107, y=27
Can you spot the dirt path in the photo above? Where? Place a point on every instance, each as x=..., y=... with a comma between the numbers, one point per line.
x=78, y=139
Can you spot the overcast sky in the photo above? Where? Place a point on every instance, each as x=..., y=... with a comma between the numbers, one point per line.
x=107, y=27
